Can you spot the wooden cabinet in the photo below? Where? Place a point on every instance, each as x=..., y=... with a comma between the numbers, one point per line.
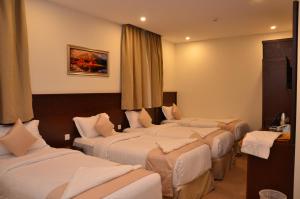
x=277, y=98
x=277, y=172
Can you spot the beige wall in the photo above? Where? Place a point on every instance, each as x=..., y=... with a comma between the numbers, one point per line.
x=169, y=66
x=51, y=28
x=222, y=77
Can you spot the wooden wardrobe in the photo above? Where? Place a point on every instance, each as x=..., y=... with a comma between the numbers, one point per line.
x=278, y=170
x=277, y=79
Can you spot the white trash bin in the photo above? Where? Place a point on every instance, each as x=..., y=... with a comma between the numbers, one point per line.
x=271, y=194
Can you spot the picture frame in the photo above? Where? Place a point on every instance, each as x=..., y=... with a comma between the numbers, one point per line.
x=86, y=61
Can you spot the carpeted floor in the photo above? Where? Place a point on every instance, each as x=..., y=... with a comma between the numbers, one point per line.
x=234, y=184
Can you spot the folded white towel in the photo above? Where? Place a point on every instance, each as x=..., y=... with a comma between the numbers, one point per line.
x=203, y=132
x=85, y=178
x=168, y=145
x=259, y=143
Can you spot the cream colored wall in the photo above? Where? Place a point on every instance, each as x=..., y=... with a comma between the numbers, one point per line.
x=51, y=28
x=169, y=66
x=222, y=77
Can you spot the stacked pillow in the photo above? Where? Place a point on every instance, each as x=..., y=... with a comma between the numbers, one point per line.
x=139, y=119
x=20, y=138
x=103, y=126
x=94, y=126
x=172, y=112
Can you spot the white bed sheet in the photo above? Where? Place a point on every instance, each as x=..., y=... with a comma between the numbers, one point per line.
x=221, y=145
x=133, y=148
x=240, y=129
x=36, y=174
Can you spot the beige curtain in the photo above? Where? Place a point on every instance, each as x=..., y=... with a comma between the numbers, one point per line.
x=15, y=91
x=141, y=68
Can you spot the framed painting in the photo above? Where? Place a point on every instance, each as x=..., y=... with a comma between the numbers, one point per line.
x=85, y=61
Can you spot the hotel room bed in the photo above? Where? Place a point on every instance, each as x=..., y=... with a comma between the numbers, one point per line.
x=220, y=142
x=238, y=127
x=134, y=148
x=220, y=145
x=39, y=173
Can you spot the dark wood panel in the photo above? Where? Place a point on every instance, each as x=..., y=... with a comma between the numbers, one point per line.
x=275, y=173
x=276, y=95
x=55, y=112
x=279, y=48
x=277, y=98
x=295, y=69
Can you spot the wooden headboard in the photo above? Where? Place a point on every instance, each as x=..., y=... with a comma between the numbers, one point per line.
x=55, y=112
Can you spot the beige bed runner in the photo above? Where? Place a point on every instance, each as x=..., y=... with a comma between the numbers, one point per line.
x=209, y=138
x=230, y=126
x=220, y=165
x=163, y=164
x=105, y=189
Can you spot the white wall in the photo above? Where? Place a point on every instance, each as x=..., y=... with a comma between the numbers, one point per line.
x=222, y=77
x=51, y=28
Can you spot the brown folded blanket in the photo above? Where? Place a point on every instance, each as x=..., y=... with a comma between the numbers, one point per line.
x=105, y=189
x=163, y=164
x=230, y=126
x=209, y=138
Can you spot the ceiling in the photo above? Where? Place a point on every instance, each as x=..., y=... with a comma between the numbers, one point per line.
x=199, y=19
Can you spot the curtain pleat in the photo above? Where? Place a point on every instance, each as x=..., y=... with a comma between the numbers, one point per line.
x=141, y=68
x=15, y=90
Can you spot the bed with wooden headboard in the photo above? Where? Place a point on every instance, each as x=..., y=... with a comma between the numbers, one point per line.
x=55, y=112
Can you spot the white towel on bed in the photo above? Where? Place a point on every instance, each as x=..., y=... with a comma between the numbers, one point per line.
x=168, y=145
x=85, y=178
x=259, y=143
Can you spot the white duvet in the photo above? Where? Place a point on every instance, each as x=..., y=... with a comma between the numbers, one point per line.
x=240, y=129
x=221, y=145
x=36, y=174
x=133, y=148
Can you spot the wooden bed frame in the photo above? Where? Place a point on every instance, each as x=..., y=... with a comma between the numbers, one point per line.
x=55, y=112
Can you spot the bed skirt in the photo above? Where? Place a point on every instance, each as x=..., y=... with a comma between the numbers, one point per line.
x=220, y=166
x=195, y=189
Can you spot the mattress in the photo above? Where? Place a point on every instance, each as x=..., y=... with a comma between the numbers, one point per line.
x=221, y=143
x=133, y=148
x=36, y=174
x=240, y=129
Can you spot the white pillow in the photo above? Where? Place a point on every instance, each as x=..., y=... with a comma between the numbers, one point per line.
x=86, y=125
x=32, y=127
x=133, y=119
x=167, y=111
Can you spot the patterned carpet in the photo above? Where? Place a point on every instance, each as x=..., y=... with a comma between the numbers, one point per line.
x=234, y=184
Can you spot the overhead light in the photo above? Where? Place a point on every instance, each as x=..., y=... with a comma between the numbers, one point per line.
x=187, y=38
x=143, y=19
x=273, y=27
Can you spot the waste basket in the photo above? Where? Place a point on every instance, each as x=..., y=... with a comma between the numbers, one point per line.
x=271, y=194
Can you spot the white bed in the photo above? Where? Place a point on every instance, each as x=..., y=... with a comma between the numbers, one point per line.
x=36, y=174
x=239, y=131
x=132, y=148
x=221, y=145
